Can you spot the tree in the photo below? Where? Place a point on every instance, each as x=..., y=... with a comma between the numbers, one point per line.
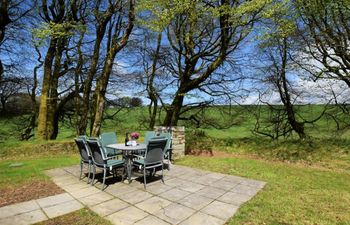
x=325, y=28
x=32, y=84
x=9, y=87
x=117, y=39
x=135, y=102
x=277, y=75
x=201, y=35
x=281, y=55
x=149, y=57
x=11, y=12
x=102, y=18
x=61, y=19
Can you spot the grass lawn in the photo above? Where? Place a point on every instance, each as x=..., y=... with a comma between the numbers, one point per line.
x=23, y=179
x=30, y=170
x=294, y=194
x=307, y=182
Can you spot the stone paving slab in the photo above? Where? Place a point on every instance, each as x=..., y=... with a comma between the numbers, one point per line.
x=151, y=220
x=202, y=219
x=85, y=192
x=31, y=217
x=174, y=213
x=153, y=204
x=127, y=216
x=38, y=210
x=54, y=200
x=62, y=209
x=136, y=196
x=95, y=199
x=196, y=201
x=220, y=210
x=188, y=196
x=174, y=194
x=18, y=208
x=109, y=207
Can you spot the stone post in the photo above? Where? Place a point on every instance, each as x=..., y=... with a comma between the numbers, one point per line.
x=178, y=139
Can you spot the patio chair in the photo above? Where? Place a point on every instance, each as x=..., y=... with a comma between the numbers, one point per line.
x=153, y=157
x=149, y=135
x=101, y=161
x=107, y=139
x=85, y=156
x=168, y=147
x=168, y=151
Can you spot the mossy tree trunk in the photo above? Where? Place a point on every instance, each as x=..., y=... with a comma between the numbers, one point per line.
x=102, y=18
x=117, y=39
x=54, y=68
x=45, y=100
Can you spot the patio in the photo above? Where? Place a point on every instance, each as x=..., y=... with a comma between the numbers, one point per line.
x=189, y=196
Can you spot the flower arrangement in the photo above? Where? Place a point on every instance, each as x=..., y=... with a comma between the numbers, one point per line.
x=135, y=135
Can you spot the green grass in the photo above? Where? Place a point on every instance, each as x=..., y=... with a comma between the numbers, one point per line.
x=308, y=182
x=294, y=194
x=31, y=169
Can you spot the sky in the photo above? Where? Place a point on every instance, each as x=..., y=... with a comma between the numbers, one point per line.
x=22, y=53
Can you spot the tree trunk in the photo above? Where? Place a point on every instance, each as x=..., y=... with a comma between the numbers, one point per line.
x=173, y=112
x=3, y=105
x=83, y=121
x=47, y=123
x=1, y=71
x=100, y=93
x=153, y=109
x=115, y=44
x=42, y=132
x=285, y=95
x=4, y=21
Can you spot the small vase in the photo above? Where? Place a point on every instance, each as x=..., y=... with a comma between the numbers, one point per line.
x=133, y=142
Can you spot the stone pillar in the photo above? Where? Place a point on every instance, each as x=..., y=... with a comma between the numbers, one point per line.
x=178, y=139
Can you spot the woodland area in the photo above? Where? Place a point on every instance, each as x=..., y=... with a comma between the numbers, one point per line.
x=73, y=59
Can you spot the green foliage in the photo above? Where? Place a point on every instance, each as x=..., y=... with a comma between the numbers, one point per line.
x=159, y=14
x=197, y=142
x=279, y=21
x=56, y=30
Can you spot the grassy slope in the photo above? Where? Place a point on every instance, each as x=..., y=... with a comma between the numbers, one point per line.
x=293, y=195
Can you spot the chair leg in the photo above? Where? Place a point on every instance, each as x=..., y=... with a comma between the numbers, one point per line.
x=89, y=168
x=81, y=169
x=163, y=173
x=144, y=177
x=104, y=178
x=93, y=175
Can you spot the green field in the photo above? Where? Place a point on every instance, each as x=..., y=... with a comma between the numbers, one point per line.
x=308, y=182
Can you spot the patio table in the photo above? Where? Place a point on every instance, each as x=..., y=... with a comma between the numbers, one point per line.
x=127, y=154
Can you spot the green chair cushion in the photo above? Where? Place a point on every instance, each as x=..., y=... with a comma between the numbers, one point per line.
x=140, y=161
x=114, y=162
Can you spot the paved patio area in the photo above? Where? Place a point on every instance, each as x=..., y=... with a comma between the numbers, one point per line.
x=188, y=196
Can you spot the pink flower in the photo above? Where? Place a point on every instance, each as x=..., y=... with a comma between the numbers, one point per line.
x=135, y=135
